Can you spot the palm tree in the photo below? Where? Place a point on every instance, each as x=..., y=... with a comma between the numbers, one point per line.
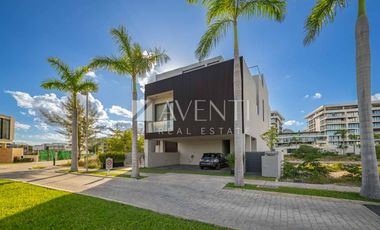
x=354, y=137
x=342, y=133
x=72, y=82
x=135, y=62
x=323, y=12
x=221, y=15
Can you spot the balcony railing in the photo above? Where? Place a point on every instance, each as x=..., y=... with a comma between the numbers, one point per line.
x=159, y=126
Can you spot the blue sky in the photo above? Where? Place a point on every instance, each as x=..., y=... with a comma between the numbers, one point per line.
x=78, y=30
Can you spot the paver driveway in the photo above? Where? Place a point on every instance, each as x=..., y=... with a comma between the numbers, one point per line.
x=203, y=198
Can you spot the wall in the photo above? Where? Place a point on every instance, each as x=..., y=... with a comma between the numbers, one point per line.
x=196, y=148
x=8, y=154
x=153, y=159
x=255, y=88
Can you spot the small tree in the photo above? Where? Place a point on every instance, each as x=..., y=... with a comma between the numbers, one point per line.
x=270, y=137
x=342, y=133
x=354, y=138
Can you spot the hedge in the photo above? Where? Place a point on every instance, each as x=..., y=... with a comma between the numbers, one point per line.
x=117, y=157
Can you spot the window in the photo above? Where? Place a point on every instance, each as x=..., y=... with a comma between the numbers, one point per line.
x=5, y=126
x=164, y=111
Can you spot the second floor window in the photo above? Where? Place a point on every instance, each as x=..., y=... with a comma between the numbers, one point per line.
x=164, y=111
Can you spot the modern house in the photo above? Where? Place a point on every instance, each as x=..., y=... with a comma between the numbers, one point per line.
x=277, y=120
x=190, y=111
x=7, y=125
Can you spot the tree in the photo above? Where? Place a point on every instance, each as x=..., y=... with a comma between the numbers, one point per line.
x=221, y=15
x=353, y=137
x=342, y=133
x=135, y=62
x=72, y=82
x=271, y=137
x=324, y=12
x=64, y=121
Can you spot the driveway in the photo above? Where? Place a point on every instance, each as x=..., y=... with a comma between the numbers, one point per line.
x=203, y=198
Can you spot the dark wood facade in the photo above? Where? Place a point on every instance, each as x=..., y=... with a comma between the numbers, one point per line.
x=212, y=83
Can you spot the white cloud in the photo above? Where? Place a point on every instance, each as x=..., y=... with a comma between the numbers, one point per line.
x=375, y=97
x=317, y=96
x=22, y=126
x=306, y=96
x=91, y=74
x=302, y=111
x=117, y=110
x=293, y=123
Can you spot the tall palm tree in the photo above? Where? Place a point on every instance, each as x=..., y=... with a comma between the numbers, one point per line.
x=72, y=82
x=221, y=15
x=135, y=62
x=342, y=133
x=323, y=12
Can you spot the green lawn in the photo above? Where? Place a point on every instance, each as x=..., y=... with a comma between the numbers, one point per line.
x=25, y=206
x=307, y=192
x=203, y=172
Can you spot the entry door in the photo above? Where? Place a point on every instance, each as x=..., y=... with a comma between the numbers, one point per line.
x=226, y=147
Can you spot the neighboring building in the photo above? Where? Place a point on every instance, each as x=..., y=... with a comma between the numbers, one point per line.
x=277, y=120
x=7, y=126
x=328, y=119
x=27, y=149
x=289, y=141
x=190, y=111
x=52, y=146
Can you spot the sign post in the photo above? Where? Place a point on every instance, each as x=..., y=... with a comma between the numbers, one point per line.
x=109, y=165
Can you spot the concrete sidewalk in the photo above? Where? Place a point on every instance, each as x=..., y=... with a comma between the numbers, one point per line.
x=203, y=198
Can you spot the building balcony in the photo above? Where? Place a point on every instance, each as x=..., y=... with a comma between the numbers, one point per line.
x=159, y=126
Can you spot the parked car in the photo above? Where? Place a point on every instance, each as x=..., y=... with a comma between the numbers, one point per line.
x=213, y=160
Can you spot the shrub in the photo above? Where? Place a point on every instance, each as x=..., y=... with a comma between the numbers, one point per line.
x=93, y=163
x=354, y=171
x=231, y=160
x=378, y=151
x=117, y=157
x=289, y=170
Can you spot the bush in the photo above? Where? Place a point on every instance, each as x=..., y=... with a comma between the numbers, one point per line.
x=117, y=157
x=289, y=170
x=231, y=160
x=378, y=152
x=93, y=163
x=354, y=171
x=305, y=151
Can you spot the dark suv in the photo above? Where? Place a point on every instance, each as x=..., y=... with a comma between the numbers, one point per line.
x=213, y=160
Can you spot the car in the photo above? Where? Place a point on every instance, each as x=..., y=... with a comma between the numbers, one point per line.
x=213, y=160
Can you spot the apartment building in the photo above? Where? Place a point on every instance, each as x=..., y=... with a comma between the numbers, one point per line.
x=328, y=119
x=277, y=120
x=190, y=111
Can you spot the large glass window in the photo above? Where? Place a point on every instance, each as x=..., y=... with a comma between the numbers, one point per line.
x=5, y=125
x=164, y=111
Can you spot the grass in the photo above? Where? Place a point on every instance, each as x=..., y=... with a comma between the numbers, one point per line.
x=203, y=172
x=26, y=206
x=307, y=192
x=113, y=173
x=38, y=167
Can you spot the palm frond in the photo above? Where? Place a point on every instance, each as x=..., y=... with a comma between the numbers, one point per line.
x=322, y=13
x=220, y=8
x=62, y=68
x=55, y=84
x=113, y=64
x=215, y=32
x=272, y=9
x=87, y=86
x=124, y=41
x=79, y=73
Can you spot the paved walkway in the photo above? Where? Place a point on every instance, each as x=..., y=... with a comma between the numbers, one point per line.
x=203, y=198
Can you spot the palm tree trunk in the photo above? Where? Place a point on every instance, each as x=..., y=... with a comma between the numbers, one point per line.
x=74, y=136
x=370, y=177
x=238, y=132
x=135, y=167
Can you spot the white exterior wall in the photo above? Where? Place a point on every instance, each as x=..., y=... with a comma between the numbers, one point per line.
x=254, y=124
x=191, y=150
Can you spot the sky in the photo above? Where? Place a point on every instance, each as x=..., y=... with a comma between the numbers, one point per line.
x=299, y=78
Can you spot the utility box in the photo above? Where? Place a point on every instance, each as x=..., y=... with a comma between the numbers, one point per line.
x=271, y=164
